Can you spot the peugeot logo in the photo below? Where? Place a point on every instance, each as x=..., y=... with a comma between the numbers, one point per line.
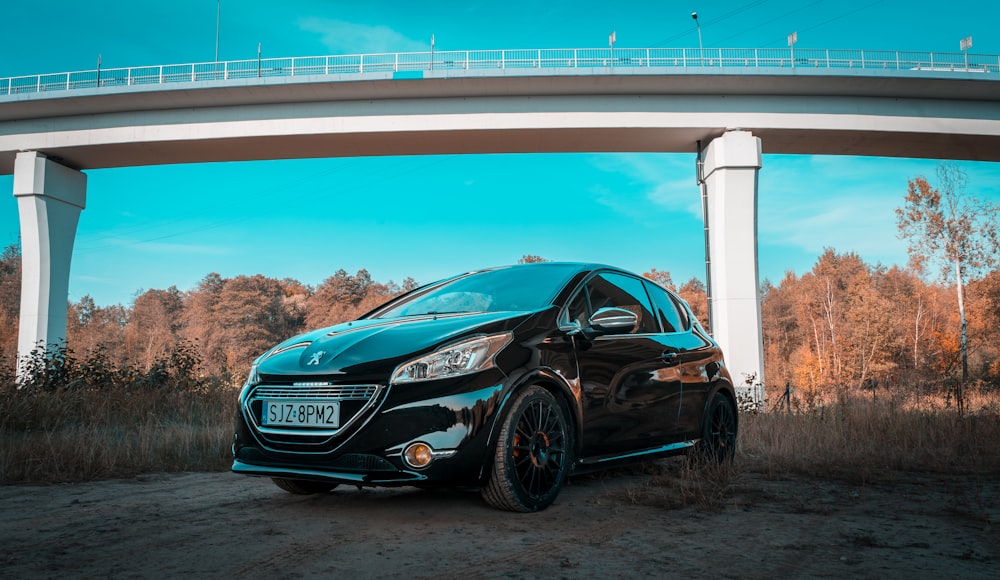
x=316, y=357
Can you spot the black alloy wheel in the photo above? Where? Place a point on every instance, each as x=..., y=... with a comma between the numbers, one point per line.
x=532, y=456
x=302, y=486
x=719, y=441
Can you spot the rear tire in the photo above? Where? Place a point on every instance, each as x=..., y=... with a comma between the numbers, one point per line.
x=302, y=486
x=532, y=456
x=718, y=442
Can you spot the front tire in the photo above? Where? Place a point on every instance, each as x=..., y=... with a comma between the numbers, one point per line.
x=532, y=456
x=302, y=486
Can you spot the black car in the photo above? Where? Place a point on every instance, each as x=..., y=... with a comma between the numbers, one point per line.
x=506, y=379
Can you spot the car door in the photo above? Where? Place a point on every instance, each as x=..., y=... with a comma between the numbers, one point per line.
x=630, y=384
x=692, y=356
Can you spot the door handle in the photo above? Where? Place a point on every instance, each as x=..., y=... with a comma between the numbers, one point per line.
x=670, y=358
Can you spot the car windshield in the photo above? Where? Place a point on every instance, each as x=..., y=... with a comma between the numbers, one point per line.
x=515, y=288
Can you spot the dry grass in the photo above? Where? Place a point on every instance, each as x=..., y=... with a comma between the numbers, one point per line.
x=859, y=440
x=52, y=436
x=59, y=436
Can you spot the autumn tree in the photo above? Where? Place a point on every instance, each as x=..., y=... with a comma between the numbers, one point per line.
x=344, y=297
x=953, y=230
x=239, y=319
x=531, y=259
x=984, y=322
x=696, y=295
x=197, y=320
x=152, y=330
x=781, y=330
x=661, y=277
x=10, y=300
x=91, y=327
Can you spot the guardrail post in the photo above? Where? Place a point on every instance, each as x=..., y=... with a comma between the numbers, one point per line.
x=395, y=67
x=161, y=75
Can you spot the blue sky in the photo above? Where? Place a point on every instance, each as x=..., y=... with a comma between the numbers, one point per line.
x=429, y=217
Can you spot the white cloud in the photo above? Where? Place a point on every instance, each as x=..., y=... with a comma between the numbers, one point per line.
x=342, y=37
x=665, y=182
x=812, y=203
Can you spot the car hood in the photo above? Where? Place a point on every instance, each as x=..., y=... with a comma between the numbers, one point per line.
x=371, y=349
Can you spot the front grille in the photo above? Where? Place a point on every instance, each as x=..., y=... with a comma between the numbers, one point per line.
x=339, y=392
x=354, y=401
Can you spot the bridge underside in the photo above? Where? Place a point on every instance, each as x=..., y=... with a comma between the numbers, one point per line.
x=445, y=142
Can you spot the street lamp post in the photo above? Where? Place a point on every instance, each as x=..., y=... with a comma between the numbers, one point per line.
x=701, y=49
x=218, y=18
x=792, y=39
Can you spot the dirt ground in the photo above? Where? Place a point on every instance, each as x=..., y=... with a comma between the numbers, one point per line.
x=224, y=525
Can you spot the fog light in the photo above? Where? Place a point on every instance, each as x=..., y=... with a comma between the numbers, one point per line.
x=418, y=455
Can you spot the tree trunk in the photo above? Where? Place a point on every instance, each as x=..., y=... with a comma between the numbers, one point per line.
x=965, y=344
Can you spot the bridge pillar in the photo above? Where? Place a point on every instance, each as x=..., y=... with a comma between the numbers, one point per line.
x=728, y=175
x=49, y=200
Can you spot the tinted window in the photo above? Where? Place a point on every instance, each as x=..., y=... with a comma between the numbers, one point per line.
x=514, y=288
x=579, y=310
x=667, y=310
x=618, y=291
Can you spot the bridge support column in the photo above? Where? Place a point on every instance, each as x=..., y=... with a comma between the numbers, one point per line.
x=49, y=200
x=728, y=176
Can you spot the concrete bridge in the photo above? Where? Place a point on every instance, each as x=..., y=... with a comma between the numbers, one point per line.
x=724, y=106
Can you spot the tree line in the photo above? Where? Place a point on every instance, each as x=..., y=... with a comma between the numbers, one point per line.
x=844, y=324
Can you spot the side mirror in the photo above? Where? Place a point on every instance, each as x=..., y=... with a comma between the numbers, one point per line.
x=613, y=320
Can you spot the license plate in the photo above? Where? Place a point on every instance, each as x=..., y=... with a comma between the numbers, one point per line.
x=301, y=413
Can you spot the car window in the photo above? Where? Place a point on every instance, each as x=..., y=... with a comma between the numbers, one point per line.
x=619, y=291
x=671, y=314
x=517, y=288
x=578, y=310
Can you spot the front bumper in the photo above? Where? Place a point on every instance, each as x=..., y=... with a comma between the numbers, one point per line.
x=455, y=420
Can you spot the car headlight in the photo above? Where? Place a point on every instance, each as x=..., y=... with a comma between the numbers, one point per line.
x=253, y=378
x=463, y=358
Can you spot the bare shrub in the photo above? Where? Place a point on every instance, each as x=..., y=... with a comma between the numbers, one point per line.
x=73, y=419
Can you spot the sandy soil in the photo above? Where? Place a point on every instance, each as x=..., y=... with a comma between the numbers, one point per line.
x=614, y=525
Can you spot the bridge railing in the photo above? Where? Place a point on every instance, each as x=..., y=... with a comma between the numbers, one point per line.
x=619, y=60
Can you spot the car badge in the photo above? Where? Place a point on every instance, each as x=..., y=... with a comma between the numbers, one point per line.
x=316, y=357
